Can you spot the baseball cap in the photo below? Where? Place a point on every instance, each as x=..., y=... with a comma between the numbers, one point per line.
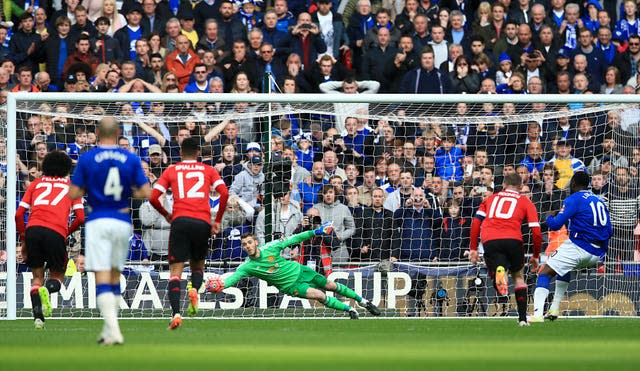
x=71, y=79
x=253, y=146
x=135, y=7
x=256, y=160
x=504, y=57
x=303, y=136
x=187, y=14
x=155, y=149
x=563, y=53
x=563, y=142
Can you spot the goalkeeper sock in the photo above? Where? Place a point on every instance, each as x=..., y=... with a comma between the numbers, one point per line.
x=334, y=303
x=52, y=285
x=347, y=292
x=562, y=283
x=521, y=301
x=196, y=279
x=174, y=294
x=36, y=304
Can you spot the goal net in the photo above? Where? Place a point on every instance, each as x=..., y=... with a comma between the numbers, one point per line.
x=400, y=177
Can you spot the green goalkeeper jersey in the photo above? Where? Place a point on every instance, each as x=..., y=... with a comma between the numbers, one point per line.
x=270, y=266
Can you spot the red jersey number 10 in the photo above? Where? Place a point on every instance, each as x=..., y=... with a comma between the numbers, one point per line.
x=502, y=207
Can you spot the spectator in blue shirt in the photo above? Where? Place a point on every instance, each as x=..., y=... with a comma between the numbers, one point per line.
x=310, y=188
x=449, y=160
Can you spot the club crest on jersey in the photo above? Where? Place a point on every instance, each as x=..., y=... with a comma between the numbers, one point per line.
x=271, y=259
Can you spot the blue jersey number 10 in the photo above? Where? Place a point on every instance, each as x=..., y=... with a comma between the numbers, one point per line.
x=599, y=214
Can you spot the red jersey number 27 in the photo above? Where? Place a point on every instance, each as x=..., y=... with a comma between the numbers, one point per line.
x=52, y=194
x=195, y=191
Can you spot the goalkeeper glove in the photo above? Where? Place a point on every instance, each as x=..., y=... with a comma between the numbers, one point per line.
x=326, y=228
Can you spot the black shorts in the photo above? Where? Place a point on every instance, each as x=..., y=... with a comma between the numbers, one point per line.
x=188, y=240
x=45, y=245
x=507, y=253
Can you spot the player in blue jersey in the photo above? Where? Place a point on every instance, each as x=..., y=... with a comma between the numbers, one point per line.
x=589, y=224
x=110, y=176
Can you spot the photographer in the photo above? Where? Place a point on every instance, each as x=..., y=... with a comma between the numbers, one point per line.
x=316, y=252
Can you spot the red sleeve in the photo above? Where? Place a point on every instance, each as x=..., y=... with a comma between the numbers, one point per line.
x=78, y=210
x=221, y=188
x=159, y=188
x=534, y=225
x=25, y=204
x=474, y=234
x=155, y=202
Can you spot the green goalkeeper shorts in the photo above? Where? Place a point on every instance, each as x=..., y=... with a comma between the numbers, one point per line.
x=308, y=278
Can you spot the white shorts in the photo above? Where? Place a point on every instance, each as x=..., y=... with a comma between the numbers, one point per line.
x=107, y=244
x=570, y=256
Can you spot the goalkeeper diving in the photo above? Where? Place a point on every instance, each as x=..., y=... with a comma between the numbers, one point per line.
x=292, y=278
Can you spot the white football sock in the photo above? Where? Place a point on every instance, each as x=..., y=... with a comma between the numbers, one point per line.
x=561, y=289
x=108, y=312
x=539, y=297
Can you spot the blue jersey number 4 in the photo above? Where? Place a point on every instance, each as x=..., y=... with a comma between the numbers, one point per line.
x=113, y=186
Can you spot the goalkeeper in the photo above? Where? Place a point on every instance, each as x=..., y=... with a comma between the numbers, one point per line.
x=291, y=277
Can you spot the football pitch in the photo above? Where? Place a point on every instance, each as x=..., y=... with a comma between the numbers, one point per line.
x=465, y=344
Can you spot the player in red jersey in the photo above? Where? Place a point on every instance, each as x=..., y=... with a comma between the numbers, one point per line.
x=501, y=217
x=190, y=182
x=45, y=237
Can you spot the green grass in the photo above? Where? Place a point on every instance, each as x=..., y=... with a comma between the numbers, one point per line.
x=469, y=344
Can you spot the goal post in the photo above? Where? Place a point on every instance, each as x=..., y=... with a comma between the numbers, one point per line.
x=445, y=286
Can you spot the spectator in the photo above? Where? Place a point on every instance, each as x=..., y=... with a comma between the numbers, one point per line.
x=306, y=40
x=155, y=229
x=116, y=20
x=464, y=80
x=273, y=66
x=455, y=234
x=375, y=231
x=172, y=31
x=612, y=81
x=230, y=27
x=405, y=59
x=333, y=211
x=398, y=198
x=377, y=57
x=152, y=20
x=237, y=62
x=391, y=181
x=349, y=86
x=449, y=160
x=182, y=61
x=280, y=40
x=286, y=217
x=248, y=183
x=414, y=228
x=609, y=153
x=533, y=160
x=127, y=36
x=623, y=208
x=425, y=79
x=332, y=29
x=566, y=164
x=310, y=188
x=82, y=24
x=359, y=24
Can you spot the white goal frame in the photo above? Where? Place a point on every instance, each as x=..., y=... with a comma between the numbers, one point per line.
x=15, y=98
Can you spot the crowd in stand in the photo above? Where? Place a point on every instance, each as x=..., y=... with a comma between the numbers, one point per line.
x=417, y=185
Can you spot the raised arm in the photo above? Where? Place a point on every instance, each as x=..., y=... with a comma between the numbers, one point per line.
x=154, y=133
x=215, y=131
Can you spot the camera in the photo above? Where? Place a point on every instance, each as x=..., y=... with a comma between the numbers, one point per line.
x=316, y=221
x=305, y=26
